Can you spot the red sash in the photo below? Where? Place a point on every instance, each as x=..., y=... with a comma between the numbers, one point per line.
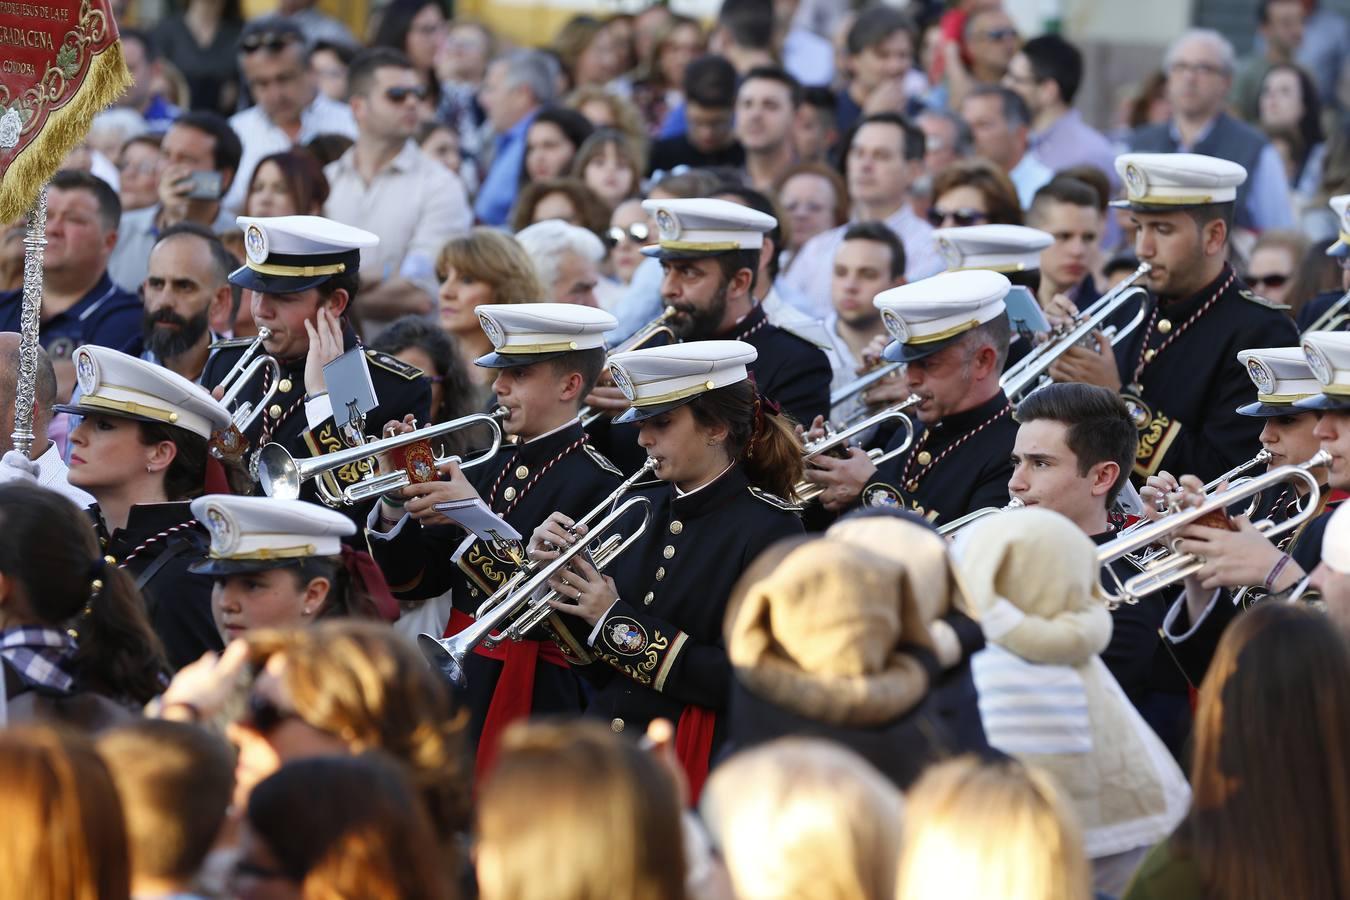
x=693, y=746
x=513, y=696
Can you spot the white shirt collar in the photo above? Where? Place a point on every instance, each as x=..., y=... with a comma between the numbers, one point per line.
x=713, y=480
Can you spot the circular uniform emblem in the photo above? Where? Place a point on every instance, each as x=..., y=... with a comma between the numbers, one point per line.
x=1136, y=182
x=1318, y=362
x=255, y=244
x=491, y=329
x=86, y=370
x=626, y=636
x=1260, y=376
x=895, y=325
x=224, y=537
x=878, y=496
x=667, y=224
x=951, y=254
x=622, y=382
x=1140, y=414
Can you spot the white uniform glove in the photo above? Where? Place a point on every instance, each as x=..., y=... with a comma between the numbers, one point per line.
x=14, y=466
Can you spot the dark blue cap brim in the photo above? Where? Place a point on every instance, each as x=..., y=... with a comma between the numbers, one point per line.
x=637, y=414
x=222, y=567
x=908, y=353
x=656, y=251
x=252, y=280
x=1323, y=402
x=495, y=360
x=1268, y=410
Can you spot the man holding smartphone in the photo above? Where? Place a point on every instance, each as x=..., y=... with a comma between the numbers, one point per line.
x=201, y=155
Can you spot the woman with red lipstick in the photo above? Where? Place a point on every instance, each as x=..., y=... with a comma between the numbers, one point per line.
x=141, y=450
x=724, y=459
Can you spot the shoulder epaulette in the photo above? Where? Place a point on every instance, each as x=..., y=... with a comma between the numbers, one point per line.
x=231, y=342
x=1252, y=297
x=406, y=371
x=774, y=500
x=601, y=460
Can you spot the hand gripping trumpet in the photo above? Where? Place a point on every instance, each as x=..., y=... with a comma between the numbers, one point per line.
x=281, y=474
x=522, y=603
x=833, y=441
x=1033, y=369
x=1172, y=567
x=241, y=374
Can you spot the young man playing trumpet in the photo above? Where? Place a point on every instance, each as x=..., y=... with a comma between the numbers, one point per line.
x=1291, y=433
x=547, y=356
x=302, y=275
x=1074, y=449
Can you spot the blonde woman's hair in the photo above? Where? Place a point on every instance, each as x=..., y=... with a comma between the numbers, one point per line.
x=64, y=836
x=806, y=819
x=362, y=682
x=998, y=829
x=573, y=812
x=495, y=257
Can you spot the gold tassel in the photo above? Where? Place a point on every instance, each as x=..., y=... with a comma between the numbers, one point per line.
x=106, y=80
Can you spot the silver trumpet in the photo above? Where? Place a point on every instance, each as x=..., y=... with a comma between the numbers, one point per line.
x=1172, y=567
x=522, y=603
x=1148, y=554
x=1336, y=315
x=242, y=374
x=281, y=474
x=1033, y=370
x=863, y=382
x=639, y=339
x=955, y=525
x=832, y=440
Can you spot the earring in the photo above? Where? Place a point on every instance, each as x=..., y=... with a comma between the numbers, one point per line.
x=149, y=469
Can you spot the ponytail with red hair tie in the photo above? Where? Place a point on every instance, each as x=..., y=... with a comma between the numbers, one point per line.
x=762, y=404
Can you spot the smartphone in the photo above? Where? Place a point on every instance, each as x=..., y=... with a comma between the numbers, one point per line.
x=204, y=186
x=1024, y=313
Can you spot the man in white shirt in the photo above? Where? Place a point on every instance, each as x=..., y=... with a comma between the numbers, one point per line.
x=385, y=184
x=51, y=467
x=289, y=109
x=870, y=260
x=882, y=157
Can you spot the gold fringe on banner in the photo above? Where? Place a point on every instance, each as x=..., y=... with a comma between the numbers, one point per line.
x=106, y=80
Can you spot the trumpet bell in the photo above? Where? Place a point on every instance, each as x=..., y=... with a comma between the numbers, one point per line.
x=444, y=655
x=277, y=472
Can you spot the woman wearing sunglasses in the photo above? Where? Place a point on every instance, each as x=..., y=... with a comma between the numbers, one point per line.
x=973, y=192
x=339, y=688
x=629, y=231
x=1274, y=261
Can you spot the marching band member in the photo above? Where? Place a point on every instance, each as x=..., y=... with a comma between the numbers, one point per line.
x=1317, y=314
x=303, y=274
x=547, y=356
x=952, y=333
x=1073, y=453
x=141, y=450
x=710, y=253
x=1299, y=418
x=282, y=564
x=1177, y=369
x=725, y=458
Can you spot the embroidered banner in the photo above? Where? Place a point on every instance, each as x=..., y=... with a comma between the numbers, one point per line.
x=60, y=63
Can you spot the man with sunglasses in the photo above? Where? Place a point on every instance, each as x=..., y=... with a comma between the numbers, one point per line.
x=385, y=184
x=288, y=109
